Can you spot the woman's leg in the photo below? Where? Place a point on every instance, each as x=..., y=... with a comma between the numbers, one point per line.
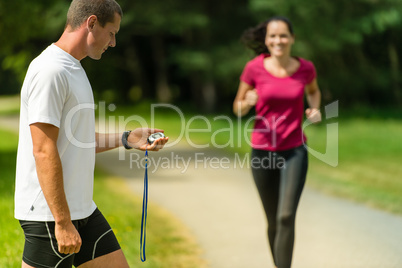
x=293, y=177
x=267, y=182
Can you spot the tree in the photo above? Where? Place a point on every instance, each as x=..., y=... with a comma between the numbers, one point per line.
x=189, y=51
x=24, y=31
x=341, y=37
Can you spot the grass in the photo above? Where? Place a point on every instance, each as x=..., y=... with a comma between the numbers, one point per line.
x=369, y=146
x=368, y=172
x=369, y=169
x=211, y=131
x=169, y=243
x=11, y=235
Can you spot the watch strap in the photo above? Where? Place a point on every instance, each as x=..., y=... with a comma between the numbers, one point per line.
x=124, y=139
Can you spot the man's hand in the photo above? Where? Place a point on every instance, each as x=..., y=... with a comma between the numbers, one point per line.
x=50, y=175
x=138, y=139
x=68, y=238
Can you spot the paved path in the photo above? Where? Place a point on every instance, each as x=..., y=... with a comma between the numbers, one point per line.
x=9, y=122
x=221, y=207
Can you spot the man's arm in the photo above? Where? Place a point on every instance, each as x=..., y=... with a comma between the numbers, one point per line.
x=137, y=139
x=107, y=141
x=50, y=175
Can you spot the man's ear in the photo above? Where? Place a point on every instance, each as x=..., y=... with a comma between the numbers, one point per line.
x=91, y=21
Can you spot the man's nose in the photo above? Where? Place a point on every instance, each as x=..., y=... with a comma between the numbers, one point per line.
x=113, y=42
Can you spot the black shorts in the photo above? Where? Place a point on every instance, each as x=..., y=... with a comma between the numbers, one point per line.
x=41, y=248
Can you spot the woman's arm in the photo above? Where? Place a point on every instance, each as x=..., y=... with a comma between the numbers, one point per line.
x=246, y=98
x=313, y=94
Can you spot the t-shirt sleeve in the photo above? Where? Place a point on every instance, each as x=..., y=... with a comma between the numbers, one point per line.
x=312, y=73
x=247, y=75
x=46, y=96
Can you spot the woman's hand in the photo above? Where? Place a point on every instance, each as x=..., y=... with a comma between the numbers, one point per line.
x=314, y=115
x=251, y=97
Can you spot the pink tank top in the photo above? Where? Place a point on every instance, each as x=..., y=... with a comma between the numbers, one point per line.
x=280, y=107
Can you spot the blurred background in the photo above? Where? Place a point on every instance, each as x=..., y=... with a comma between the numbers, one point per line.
x=189, y=52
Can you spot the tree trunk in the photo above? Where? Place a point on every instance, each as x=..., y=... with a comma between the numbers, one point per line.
x=138, y=76
x=209, y=96
x=395, y=71
x=163, y=92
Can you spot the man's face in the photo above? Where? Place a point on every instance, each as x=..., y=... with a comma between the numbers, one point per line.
x=101, y=38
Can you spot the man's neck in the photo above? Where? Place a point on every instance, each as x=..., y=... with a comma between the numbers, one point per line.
x=73, y=42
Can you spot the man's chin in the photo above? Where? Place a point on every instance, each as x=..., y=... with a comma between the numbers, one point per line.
x=96, y=57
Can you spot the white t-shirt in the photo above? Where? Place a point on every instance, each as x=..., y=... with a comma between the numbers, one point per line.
x=56, y=91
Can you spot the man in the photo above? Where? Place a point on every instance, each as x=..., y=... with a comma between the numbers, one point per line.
x=57, y=146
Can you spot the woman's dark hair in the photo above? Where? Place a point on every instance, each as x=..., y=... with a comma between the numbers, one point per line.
x=254, y=38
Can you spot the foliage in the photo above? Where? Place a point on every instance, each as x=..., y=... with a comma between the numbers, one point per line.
x=26, y=28
x=189, y=51
x=352, y=44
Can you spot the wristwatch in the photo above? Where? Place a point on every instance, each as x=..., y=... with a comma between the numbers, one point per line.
x=124, y=139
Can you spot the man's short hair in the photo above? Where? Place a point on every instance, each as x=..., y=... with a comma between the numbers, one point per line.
x=81, y=10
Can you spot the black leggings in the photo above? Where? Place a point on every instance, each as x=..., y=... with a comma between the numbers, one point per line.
x=280, y=178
